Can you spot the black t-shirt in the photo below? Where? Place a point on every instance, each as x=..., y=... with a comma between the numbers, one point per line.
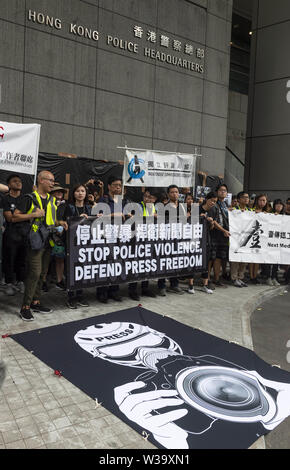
x=73, y=211
x=10, y=203
x=25, y=204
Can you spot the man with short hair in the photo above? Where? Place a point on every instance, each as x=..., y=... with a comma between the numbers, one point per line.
x=173, y=195
x=219, y=235
x=147, y=204
x=36, y=209
x=112, y=198
x=14, y=250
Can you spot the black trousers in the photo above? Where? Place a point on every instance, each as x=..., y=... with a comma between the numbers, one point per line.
x=14, y=258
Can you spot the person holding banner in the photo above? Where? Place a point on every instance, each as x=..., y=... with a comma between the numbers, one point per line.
x=39, y=211
x=149, y=199
x=270, y=271
x=112, y=199
x=173, y=204
x=210, y=202
x=260, y=205
x=238, y=269
x=78, y=207
x=219, y=235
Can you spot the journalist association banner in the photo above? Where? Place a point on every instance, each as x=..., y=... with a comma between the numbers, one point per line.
x=259, y=238
x=19, y=145
x=154, y=169
x=107, y=254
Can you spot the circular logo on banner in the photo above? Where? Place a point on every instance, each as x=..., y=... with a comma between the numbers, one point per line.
x=135, y=169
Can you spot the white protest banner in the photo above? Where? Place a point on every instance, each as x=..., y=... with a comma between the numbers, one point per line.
x=19, y=144
x=158, y=169
x=259, y=238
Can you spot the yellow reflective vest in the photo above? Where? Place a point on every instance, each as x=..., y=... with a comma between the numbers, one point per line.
x=145, y=210
x=50, y=214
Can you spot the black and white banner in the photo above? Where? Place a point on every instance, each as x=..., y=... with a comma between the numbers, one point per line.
x=104, y=254
x=259, y=238
x=151, y=168
x=19, y=145
x=178, y=387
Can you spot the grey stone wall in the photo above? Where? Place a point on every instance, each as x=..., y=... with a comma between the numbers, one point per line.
x=268, y=134
x=91, y=96
x=236, y=136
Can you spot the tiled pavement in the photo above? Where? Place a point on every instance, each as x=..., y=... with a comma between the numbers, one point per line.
x=39, y=410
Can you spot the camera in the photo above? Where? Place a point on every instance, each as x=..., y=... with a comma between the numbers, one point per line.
x=211, y=389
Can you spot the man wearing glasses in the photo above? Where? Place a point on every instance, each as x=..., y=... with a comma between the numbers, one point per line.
x=35, y=210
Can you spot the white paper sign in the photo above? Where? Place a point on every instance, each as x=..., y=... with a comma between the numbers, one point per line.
x=19, y=145
x=259, y=238
x=147, y=168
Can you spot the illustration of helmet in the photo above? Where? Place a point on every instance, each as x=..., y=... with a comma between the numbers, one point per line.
x=127, y=344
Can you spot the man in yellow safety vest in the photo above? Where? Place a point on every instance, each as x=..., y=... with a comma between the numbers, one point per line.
x=36, y=209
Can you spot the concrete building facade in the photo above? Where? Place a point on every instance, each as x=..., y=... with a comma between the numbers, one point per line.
x=268, y=134
x=98, y=74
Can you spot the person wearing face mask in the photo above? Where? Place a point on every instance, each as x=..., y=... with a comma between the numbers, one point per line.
x=37, y=210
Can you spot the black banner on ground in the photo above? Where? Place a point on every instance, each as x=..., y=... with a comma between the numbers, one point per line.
x=108, y=254
x=178, y=387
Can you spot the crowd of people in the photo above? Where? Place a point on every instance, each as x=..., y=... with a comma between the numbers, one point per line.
x=34, y=238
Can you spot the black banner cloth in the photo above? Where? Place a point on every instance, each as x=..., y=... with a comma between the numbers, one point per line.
x=180, y=386
x=109, y=255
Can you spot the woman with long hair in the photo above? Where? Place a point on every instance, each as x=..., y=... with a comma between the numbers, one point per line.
x=78, y=207
x=261, y=204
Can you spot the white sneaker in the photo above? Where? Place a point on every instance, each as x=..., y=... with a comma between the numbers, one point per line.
x=269, y=282
x=9, y=290
x=191, y=290
x=276, y=283
x=207, y=290
x=237, y=283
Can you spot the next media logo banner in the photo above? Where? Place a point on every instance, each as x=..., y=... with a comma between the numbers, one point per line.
x=259, y=238
x=158, y=169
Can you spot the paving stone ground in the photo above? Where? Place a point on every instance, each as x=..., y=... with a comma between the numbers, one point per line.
x=38, y=410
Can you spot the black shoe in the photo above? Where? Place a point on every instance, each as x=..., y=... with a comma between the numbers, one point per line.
x=26, y=315
x=71, y=304
x=134, y=296
x=60, y=285
x=255, y=281
x=45, y=287
x=102, y=298
x=81, y=302
x=38, y=308
x=148, y=293
x=115, y=296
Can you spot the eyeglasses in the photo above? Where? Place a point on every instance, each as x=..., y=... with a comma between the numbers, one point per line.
x=49, y=179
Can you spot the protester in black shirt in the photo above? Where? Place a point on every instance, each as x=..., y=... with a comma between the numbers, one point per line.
x=173, y=195
x=112, y=199
x=77, y=207
x=210, y=201
x=14, y=249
